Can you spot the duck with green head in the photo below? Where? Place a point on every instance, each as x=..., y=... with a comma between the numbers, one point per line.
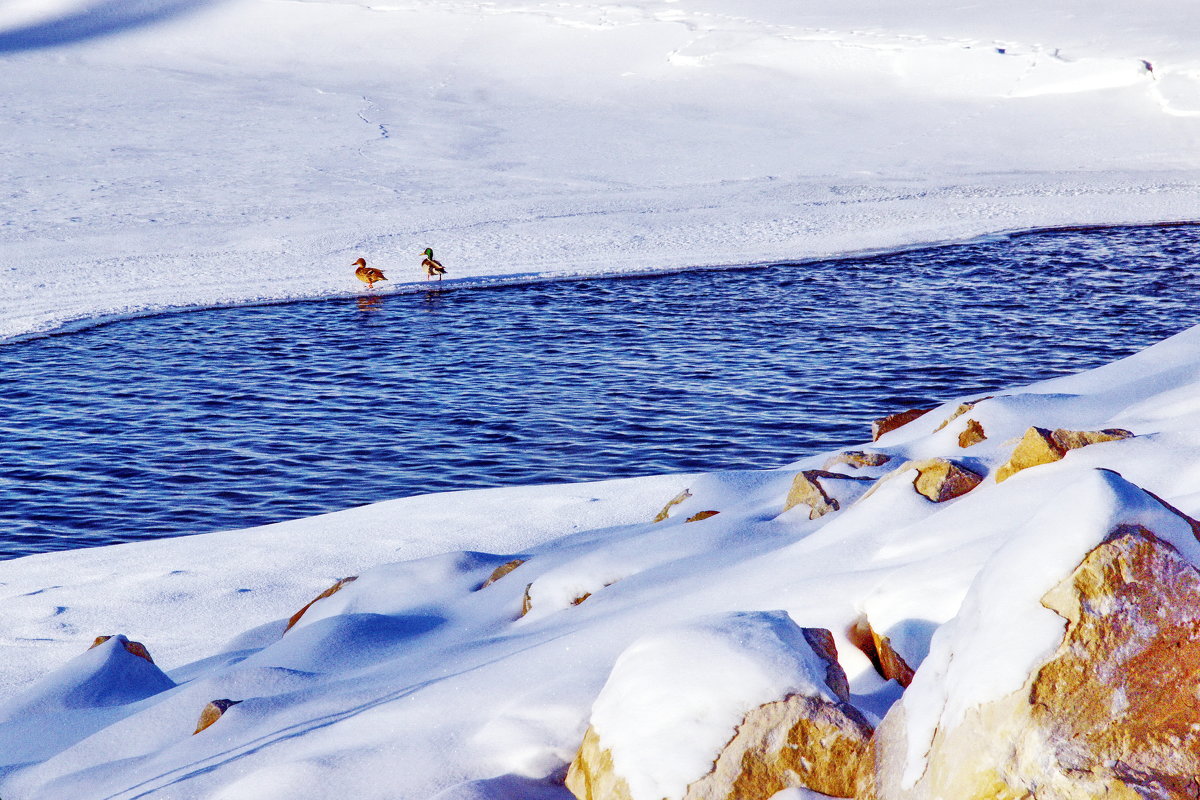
x=431, y=265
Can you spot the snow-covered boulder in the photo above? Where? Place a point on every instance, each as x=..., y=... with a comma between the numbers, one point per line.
x=1042, y=446
x=891, y=422
x=740, y=705
x=1069, y=671
x=110, y=673
x=824, y=492
x=879, y=649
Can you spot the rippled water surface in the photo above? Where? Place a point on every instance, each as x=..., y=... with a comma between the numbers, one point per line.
x=237, y=417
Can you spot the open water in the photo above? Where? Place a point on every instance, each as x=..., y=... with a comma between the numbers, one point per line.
x=230, y=418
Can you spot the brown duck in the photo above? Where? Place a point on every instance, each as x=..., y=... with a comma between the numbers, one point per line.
x=431, y=265
x=367, y=275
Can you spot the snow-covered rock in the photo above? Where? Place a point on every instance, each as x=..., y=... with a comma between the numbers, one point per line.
x=737, y=706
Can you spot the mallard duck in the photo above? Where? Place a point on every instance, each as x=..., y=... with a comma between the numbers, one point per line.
x=367, y=275
x=432, y=266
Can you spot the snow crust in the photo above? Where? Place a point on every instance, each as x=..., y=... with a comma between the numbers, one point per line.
x=174, y=154
x=675, y=697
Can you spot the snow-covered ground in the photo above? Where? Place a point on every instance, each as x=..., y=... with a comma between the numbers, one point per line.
x=181, y=153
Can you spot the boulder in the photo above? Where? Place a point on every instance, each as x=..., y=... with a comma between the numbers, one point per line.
x=332, y=590
x=858, y=459
x=1042, y=446
x=940, y=479
x=1089, y=693
x=972, y=434
x=213, y=712
x=807, y=737
x=820, y=490
x=136, y=648
x=878, y=648
x=502, y=570
x=893, y=421
x=676, y=500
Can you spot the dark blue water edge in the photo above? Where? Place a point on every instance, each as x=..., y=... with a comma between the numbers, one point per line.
x=227, y=418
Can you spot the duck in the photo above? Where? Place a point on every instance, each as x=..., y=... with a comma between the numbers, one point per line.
x=367, y=275
x=432, y=266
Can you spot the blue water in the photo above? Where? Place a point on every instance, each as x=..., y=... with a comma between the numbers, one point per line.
x=230, y=418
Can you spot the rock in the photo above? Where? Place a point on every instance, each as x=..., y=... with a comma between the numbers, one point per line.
x=701, y=516
x=887, y=662
x=809, y=739
x=857, y=459
x=973, y=434
x=893, y=421
x=819, y=490
x=1042, y=446
x=963, y=408
x=337, y=587
x=136, y=648
x=213, y=712
x=679, y=498
x=526, y=600
x=1109, y=707
x=940, y=479
x=502, y=570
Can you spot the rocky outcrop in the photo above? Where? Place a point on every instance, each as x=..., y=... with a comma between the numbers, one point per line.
x=973, y=434
x=213, y=712
x=676, y=500
x=893, y=421
x=1113, y=712
x=502, y=570
x=940, y=479
x=858, y=459
x=1042, y=446
x=878, y=648
x=820, y=490
x=332, y=590
x=809, y=740
x=136, y=648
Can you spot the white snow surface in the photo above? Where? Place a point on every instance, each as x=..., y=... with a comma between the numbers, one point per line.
x=413, y=681
x=172, y=154
x=675, y=696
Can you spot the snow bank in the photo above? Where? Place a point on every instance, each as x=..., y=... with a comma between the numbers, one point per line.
x=184, y=154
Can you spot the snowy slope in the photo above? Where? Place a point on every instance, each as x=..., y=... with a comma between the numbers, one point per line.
x=413, y=680
x=182, y=153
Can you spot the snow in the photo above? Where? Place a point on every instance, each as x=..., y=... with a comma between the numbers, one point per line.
x=177, y=154
x=675, y=697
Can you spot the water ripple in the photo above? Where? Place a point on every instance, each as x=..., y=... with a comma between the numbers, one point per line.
x=236, y=417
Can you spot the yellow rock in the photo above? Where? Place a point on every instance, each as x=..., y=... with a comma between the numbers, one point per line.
x=502, y=570
x=893, y=421
x=857, y=459
x=807, y=489
x=940, y=479
x=887, y=662
x=666, y=512
x=702, y=515
x=1042, y=446
x=973, y=434
x=332, y=590
x=213, y=712
x=136, y=648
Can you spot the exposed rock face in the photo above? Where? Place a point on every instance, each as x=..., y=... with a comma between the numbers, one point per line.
x=857, y=459
x=973, y=434
x=796, y=741
x=940, y=479
x=1042, y=446
x=136, y=648
x=877, y=647
x=893, y=421
x=701, y=516
x=676, y=500
x=213, y=712
x=1113, y=713
x=819, y=490
x=332, y=590
x=502, y=570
